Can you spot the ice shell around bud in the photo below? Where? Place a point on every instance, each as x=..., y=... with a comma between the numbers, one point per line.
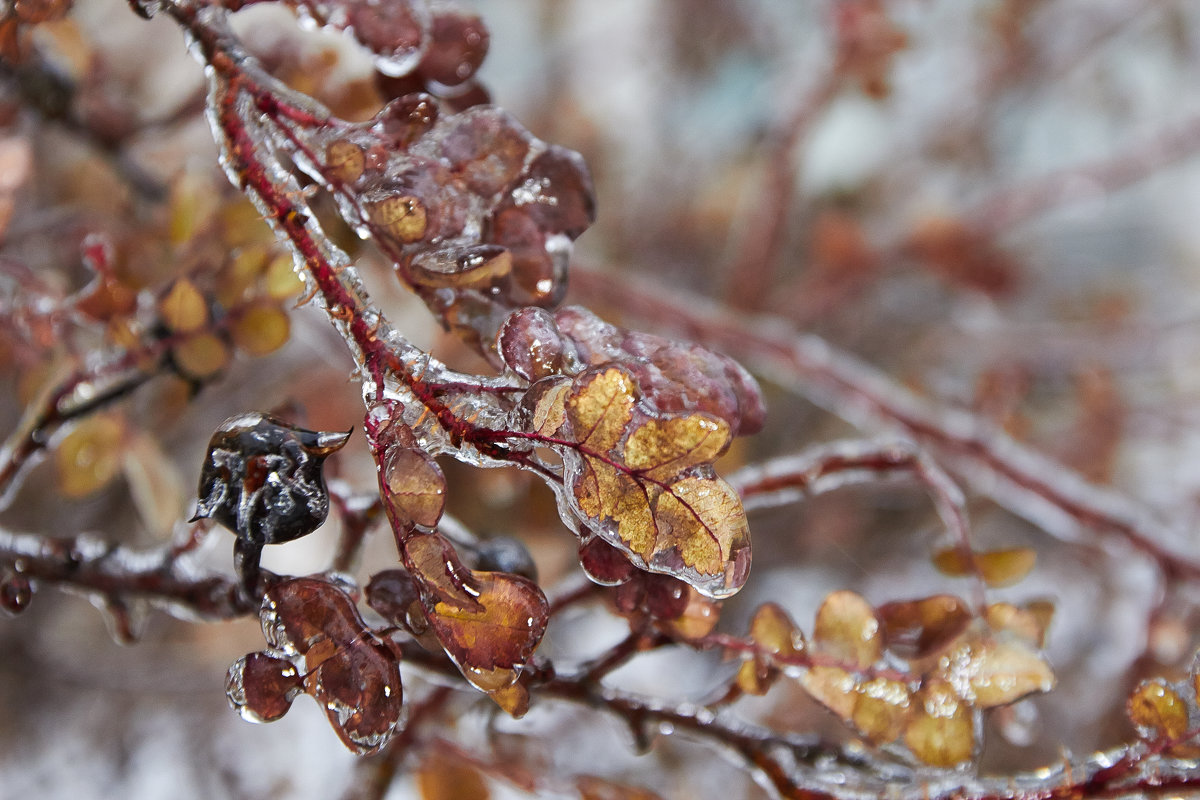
x=261, y=687
x=263, y=480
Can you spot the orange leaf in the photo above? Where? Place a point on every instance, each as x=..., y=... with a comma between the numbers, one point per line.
x=1158, y=711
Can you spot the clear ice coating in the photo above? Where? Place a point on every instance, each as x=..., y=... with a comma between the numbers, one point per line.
x=321, y=646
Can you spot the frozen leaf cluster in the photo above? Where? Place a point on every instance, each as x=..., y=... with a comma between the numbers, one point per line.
x=910, y=675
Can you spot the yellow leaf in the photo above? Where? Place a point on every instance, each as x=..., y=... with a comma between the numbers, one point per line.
x=1158, y=711
x=90, y=455
x=774, y=631
x=604, y=492
x=703, y=519
x=847, y=629
x=600, y=408
x=997, y=567
x=833, y=688
x=941, y=731
x=661, y=449
x=261, y=329
x=881, y=709
x=996, y=671
x=183, y=309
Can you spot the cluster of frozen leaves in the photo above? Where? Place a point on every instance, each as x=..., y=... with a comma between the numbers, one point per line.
x=910, y=675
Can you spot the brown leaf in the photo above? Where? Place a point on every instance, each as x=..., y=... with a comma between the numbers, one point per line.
x=702, y=519
x=1028, y=623
x=833, y=688
x=847, y=629
x=775, y=633
x=489, y=623
x=917, y=628
x=415, y=486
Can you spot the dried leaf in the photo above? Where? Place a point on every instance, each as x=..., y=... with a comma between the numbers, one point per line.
x=1028, y=623
x=847, y=629
x=261, y=329
x=773, y=630
x=914, y=629
x=183, y=309
x=655, y=496
x=1158, y=711
x=941, y=730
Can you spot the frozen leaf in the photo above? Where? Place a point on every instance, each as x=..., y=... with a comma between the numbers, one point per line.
x=941, y=730
x=992, y=671
x=443, y=776
x=656, y=496
x=775, y=633
x=345, y=161
x=600, y=407
x=359, y=688
x=353, y=674
x=916, y=628
x=489, y=623
x=847, y=629
x=998, y=567
x=661, y=449
x=882, y=709
x=1028, y=623
x=261, y=687
x=605, y=564
x=503, y=634
x=395, y=596
x=832, y=687
x=90, y=455
x=697, y=619
x=473, y=267
x=773, y=630
x=1157, y=711
x=402, y=217
x=414, y=486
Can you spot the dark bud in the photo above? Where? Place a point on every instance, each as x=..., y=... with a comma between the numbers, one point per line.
x=262, y=479
x=505, y=554
x=16, y=593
